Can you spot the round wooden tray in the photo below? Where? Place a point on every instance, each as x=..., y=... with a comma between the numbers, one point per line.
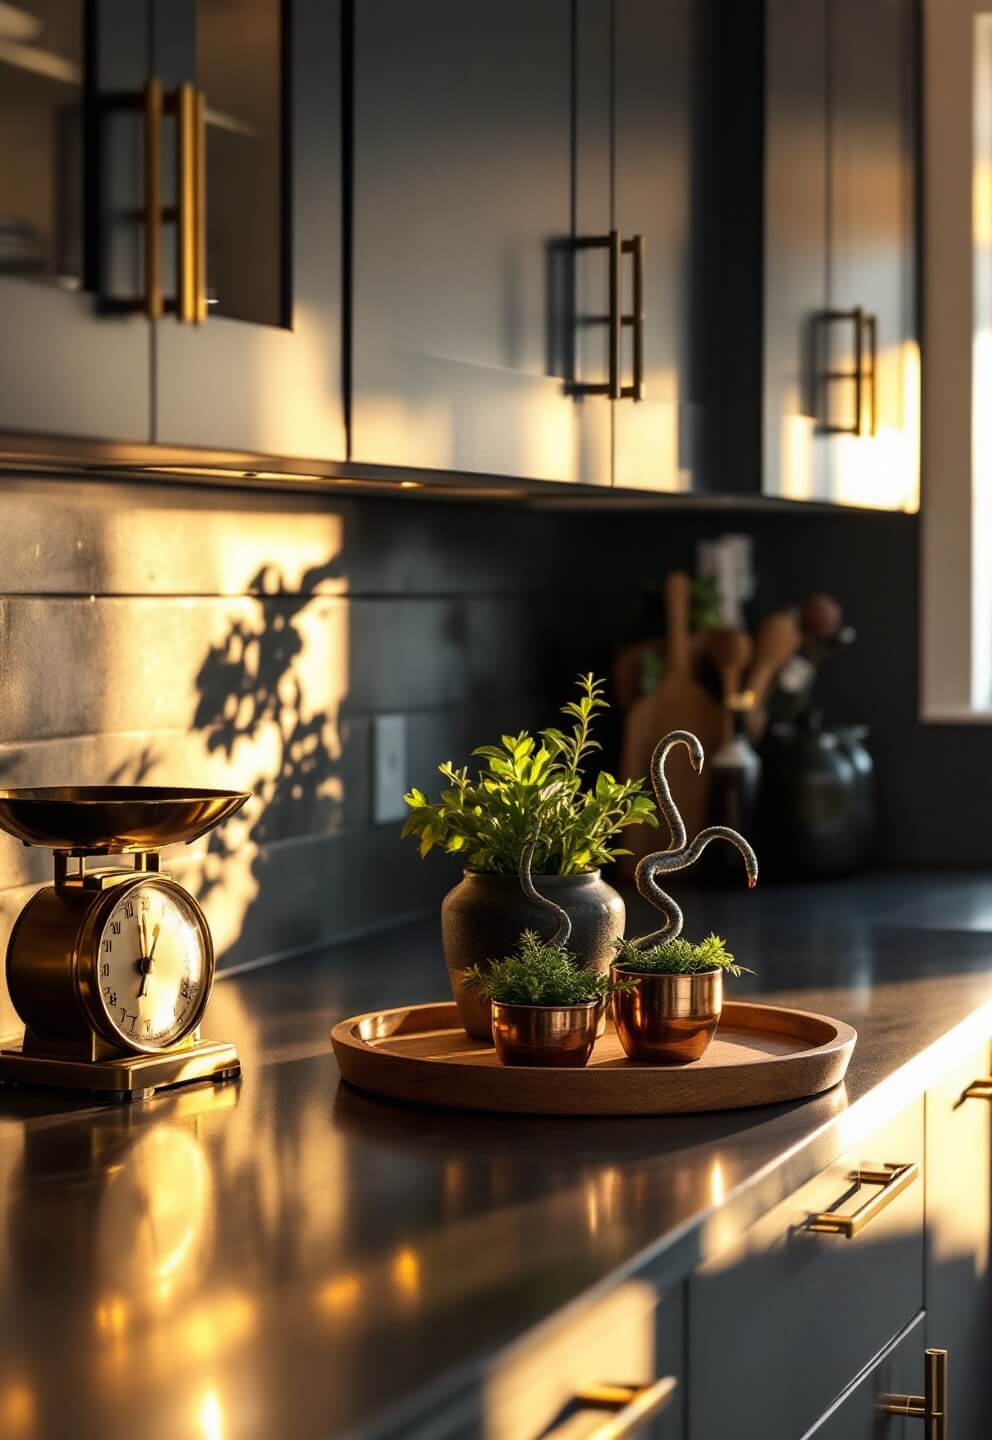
x=762, y=1054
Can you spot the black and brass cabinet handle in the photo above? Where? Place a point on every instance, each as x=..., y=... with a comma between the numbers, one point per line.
x=188, y=105
x=892, y=1180
x=931, y=1406
x=616, y=248
x=626, y=1407
x=863, y=375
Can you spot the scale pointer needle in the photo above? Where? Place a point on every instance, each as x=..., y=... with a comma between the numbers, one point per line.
x=146, y=962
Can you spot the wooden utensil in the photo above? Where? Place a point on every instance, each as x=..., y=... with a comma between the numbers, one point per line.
x=779, y=637
x=679, y=703
x=731, y=652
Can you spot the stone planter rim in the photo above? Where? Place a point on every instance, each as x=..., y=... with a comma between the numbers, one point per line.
x=543, y=879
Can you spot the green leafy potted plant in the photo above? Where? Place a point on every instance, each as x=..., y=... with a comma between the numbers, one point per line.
x=670, y=1006
x=529, y=784
x=546, y=1010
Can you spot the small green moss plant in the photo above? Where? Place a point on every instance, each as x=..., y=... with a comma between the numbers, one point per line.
x=540, y=972
x=678, y=957
x=531, y=785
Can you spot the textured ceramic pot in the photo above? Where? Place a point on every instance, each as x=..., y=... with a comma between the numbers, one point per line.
x=667, y=1019
x=483, y=916
x=545, y=1034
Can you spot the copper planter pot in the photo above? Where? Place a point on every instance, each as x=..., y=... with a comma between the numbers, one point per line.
x=667, y=1019
x=546, y=1034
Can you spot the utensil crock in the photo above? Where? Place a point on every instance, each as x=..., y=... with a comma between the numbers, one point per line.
x=545, y=1034
x=667, y=1019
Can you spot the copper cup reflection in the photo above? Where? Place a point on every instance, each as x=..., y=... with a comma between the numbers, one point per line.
x=546, y=1034
x=667, y=1019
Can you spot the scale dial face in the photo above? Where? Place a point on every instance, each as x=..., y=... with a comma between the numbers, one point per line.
x=154, y=964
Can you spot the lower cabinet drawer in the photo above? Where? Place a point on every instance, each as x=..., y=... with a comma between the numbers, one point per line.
x=619, y=1361
x=782, y=1323
x=897, y=1373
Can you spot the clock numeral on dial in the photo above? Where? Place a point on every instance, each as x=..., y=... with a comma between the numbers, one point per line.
x=105, y=970
x=115, y=926
x=107, y=946
x=128, y=910
x=110, y=994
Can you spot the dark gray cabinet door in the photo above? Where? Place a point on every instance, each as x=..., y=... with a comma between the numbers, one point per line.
x=481, y=135
x=796, y=200
x=958, y=1281
x=74, y=347
x=872, y=252
x=263, y=371
x=656, y=439
x=898, y=1371
x=840, y=256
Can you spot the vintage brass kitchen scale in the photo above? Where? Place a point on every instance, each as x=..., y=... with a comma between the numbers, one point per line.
x=111, y=968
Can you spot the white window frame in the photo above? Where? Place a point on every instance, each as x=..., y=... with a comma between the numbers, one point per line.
x=956, y=558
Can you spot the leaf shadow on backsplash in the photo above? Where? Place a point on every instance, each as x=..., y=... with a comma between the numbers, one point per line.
x=252, y=695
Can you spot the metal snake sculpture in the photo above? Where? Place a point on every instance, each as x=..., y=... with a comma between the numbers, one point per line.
x=680, y=854
x=564, y=932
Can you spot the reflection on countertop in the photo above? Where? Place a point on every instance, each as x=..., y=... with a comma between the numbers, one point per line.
x=281, y=1256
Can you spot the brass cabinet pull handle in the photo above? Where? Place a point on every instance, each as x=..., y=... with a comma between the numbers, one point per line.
x=980, y=1089
x=153, y=198
x=629, y=1407
x=864, y=374
x=191, y=296
x=931, y=1407
x=635, y=248
x=892, y=1180
x=200, y=154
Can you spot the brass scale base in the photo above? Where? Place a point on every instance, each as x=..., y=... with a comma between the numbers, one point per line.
x=138, y=820
x=127, y=1078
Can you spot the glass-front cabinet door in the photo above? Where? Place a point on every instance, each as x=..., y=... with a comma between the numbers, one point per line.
x=75, y=355
x=251, y=358
x=170, y=192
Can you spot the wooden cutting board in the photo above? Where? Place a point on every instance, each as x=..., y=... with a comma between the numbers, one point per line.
x=679, y=703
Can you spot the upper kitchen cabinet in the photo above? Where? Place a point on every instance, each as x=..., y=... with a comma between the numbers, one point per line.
x=841, y=355
x=479, y=159
x=251, y=360
x=656, y=427
x=74, y=335
x=170, y=193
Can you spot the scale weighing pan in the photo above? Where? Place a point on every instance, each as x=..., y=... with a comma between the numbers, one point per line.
x=114, y=818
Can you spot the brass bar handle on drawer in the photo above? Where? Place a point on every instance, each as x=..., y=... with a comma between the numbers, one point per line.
x=635, y=248
x=191, y=300
x=931, y=1407
x=629, y=1406
x=980, y=1089
x=892, y=1180
x=153, y=199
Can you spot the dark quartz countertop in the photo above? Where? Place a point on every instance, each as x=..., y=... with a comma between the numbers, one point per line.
x=284, y=1257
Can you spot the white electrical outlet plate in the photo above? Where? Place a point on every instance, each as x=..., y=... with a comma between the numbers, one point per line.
x=388, y=768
